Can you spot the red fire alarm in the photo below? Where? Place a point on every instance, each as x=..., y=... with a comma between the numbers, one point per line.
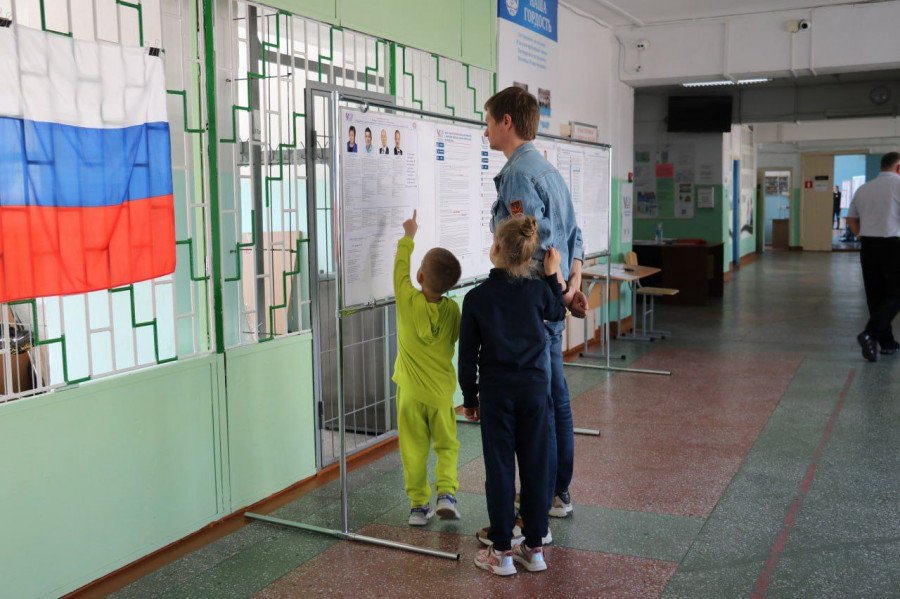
x=630, y=177
x=807, y=185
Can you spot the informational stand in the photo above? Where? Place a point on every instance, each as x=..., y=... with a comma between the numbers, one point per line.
x=395, y=190
x=445, y=171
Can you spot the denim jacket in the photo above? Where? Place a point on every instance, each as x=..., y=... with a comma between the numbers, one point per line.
x=529, y=184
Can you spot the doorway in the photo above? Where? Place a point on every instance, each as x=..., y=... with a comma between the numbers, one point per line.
x=776, y=186
x=849, y=175
x=817, y=174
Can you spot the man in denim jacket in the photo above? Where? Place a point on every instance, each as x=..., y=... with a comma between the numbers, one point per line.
x=528, y=184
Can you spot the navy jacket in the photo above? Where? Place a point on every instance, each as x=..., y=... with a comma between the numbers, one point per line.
x=502, y=338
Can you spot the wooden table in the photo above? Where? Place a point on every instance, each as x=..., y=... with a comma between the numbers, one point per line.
x=694, y=269
x=621, y=275
x=594, y=275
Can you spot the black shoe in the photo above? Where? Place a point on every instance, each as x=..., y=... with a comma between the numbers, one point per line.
x=889, y=348
x=869, y=346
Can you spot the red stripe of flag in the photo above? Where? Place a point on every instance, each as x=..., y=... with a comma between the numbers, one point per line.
x=60, y=251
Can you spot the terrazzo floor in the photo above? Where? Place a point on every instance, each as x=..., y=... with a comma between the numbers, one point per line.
x=768, y=464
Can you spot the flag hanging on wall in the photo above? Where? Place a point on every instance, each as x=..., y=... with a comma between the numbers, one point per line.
x=85, y=167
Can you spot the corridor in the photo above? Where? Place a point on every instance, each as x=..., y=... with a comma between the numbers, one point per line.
x=766, y=465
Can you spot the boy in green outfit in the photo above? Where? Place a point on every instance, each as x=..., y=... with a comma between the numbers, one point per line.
x=427, y=330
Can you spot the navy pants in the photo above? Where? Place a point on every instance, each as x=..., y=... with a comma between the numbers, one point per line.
x=562, y=431
x=514, y=426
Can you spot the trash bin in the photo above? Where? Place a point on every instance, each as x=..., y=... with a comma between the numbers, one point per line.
x=17, y=340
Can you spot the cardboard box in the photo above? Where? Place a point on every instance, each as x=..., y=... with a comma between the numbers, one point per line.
x=21, y=379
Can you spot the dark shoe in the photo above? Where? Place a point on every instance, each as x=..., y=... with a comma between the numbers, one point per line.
x=869, y=346
x=889, y=348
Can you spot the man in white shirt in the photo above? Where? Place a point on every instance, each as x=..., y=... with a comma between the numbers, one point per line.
x=874, y=216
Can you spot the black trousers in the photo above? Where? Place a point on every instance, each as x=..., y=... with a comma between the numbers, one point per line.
x=880, y=260
x=516, y=425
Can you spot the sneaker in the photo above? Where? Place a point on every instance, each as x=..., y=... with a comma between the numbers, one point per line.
x=419, y=516
x=561, y=506
x=532, y=559
x=482, y=536
x=446, y=507
x=495, y=561
x=517, y=536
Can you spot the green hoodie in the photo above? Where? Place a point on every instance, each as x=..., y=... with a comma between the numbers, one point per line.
x=426, y=337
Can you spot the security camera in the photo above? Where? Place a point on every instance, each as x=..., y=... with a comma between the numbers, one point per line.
x=803, y=25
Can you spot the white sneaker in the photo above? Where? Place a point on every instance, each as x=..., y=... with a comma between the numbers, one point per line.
x=495, y=561
x=419, y=516
x=532, y=559
x=561, y=506
x=446, y=507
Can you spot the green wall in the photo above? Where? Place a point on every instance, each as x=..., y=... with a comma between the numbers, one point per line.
x=97, y=476
x=706, y=224
x=795, y=217
x=100, y=475
x=270, y=398
x=617, y=249
x=464, y=30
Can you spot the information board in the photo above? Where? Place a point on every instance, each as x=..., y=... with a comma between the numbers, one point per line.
x=393, y=164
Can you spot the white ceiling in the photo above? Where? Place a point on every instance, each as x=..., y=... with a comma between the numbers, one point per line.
x=651, y=12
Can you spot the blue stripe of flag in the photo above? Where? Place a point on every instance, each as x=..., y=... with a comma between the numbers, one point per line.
x=54, y=165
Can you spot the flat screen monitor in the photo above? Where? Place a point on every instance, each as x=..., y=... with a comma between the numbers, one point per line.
x=699, y=114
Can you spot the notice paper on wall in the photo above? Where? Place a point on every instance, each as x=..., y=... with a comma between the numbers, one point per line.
x=706, y=173
x=665, y=170
x=684, y=202
x=684, y=158
x=646, y=204
x=627, y=204
x=665, y=199
x=706, y=197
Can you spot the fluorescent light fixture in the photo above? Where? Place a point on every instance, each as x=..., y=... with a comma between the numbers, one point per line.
x=761, y=80
x=708, y=83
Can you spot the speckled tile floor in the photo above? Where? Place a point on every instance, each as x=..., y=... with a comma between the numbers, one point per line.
x=767, y=465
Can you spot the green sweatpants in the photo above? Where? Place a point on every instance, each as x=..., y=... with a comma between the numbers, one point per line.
x=421, y=426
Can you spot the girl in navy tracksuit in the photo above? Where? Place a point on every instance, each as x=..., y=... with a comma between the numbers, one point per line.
x=504, y=373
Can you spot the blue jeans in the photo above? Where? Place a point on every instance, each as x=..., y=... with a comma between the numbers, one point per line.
x=562, y=432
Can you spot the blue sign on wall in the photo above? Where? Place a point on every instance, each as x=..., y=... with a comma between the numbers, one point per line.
x=537, y=15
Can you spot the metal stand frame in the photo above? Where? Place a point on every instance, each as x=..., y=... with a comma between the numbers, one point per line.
x=338, y=95
x=605, y=311
x=604, y=339
x=588, y=432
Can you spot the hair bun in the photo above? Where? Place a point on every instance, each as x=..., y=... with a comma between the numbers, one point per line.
x=528, y=228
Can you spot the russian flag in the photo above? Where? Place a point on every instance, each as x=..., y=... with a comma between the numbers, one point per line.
x=85, y=167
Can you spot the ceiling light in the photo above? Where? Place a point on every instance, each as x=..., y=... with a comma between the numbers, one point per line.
x=743, y=81
x=708, y=83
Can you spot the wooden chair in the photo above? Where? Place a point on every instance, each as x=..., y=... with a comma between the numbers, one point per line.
x=647, y=312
